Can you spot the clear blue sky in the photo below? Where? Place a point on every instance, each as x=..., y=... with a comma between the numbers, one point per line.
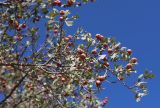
x=136, y=24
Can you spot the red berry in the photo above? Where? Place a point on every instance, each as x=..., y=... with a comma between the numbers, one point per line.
x=106, y=64
x=85, y=82
x=105, y=59
x=133, y=60
x=82, y=56
x=88, y=97
x=30, y=86
x=66, y=94
x=129, y=66
x=55, y=30
x=11, y=22
x=70, y=44
x=105, y=46
x=53, y=77
x=18, y=28
x=57, y=2
x=66, y=39
x=37, y=19
x=19, y=37
x=129, y=51
x=19, y=16
x=105, y=100
x=63, y=79
x=17, y=25
x=94, y=52
x=61, y=19
x=62, y=12
x=24, y=25
x=110, y=51
x=101, y=78
x=80, y=51
x=70, y=2
x=98, y=83
x=59, y=64
x=99, y=37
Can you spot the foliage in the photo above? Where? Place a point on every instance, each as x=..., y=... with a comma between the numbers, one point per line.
x=44, y=66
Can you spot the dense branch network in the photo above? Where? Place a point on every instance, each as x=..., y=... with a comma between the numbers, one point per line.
x=42, y=65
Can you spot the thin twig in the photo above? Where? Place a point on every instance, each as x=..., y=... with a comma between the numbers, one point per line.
x=14, y=88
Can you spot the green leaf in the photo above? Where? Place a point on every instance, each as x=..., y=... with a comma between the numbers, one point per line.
x=45, y=10
x=69, y=23
x=52, y=15
x=148, y=75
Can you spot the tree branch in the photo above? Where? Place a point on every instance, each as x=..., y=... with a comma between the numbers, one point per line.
x=14, y=88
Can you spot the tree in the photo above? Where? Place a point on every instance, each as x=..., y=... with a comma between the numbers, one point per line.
x=42, y=65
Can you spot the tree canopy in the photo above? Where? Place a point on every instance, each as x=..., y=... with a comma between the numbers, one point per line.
x=43, y=65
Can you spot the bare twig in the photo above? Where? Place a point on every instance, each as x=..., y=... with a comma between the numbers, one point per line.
x=14, y=88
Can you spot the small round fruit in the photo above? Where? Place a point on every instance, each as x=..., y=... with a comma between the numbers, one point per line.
x=105, y=100
x=110, y=51
x=61, y=19
x=133, y=60
x=24, y=25
x=99, y=37
x=57, y=2
x=62, y=12
x=105, y=59
x=63, y=79
x=19, y=16
x=70, y=3
x=129, y=51
x=55, y=30
x=101, y=78
x=66, y=94
x=128, y=66
x=105, y=46
x=80, y=51
x=83, y=56
x=85, y=82
x=59, y=64
x=37, y=18
x=66, y=39
x=18, y=28
x=98, y=83
x=70, y=44
x=94, y=52
x=17, y=25
x=53, y=77
x=106, y=64
x=88, y=96
x=18, y=37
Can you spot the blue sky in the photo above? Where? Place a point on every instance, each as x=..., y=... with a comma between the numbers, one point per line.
x=136, y=24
